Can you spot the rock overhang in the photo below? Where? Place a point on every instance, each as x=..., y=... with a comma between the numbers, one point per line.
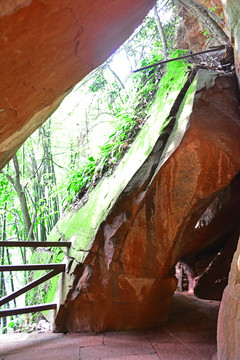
x=46, y=48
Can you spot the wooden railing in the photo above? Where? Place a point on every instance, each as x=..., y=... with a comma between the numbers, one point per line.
x=56, y=269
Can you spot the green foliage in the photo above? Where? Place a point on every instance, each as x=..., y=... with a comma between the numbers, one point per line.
x=4, y=187
x=213, y=8
x=147, y=74
x=20, y=323
x=129, y=122
x=79, y=178
x=205, y=32
x=99, y=83
x=110, y=153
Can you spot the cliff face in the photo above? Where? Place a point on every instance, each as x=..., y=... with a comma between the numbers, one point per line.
x=46, y=48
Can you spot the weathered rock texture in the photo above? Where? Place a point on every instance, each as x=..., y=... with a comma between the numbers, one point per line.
x=229, y=316
x=127, y=280
x=212, y=283
x=232, y=10
x=191, y=33
x=214, y=229
x=46, y=48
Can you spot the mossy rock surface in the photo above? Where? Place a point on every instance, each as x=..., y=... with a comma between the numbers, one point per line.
x=80, y=226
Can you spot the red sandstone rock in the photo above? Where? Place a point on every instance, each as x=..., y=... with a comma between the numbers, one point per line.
x=128, y=279
x=219, y=221
x=190, y=34
x=47, y=47
x=211, y=284
x=215, y=227
x=228, y=334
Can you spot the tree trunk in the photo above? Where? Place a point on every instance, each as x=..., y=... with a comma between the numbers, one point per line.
x=161, y=32
x=3, y=290
x=203, y=16
x=52, y=201
x=22, y=199
x=126, y=52
x=11, y=275
x=118, y=80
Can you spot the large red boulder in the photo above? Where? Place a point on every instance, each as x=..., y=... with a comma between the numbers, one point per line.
x=127, y=280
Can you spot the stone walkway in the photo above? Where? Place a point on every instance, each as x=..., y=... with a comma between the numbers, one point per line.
x=190, y=334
